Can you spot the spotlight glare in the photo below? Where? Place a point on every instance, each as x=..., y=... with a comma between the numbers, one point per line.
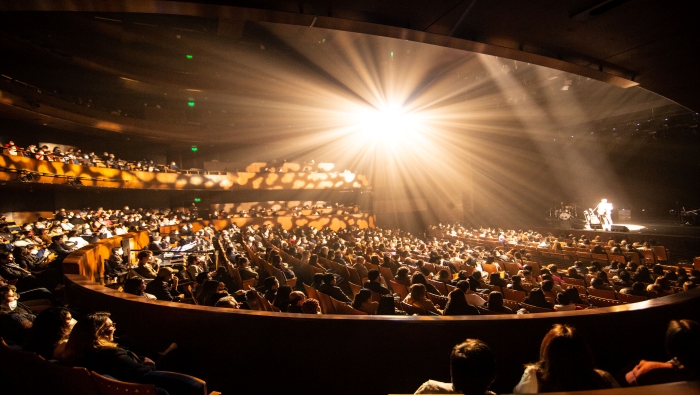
x=388, y=124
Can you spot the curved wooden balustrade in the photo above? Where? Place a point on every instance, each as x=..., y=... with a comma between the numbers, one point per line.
x=272, y=352
x=88, y=261
x=62, y=173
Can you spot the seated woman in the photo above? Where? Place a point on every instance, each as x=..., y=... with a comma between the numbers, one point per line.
x=457, y=305
x=403, y=276
x=49, y=333
x=419, y=278
x=536, y=298
x=418, y=298
x=444, y=276
x=137, y=286
x=495, y=304
x=566, y=364
x=683, y=346
x=661, y=287
x=91, y=345
x=363, y=302
x=575, y=297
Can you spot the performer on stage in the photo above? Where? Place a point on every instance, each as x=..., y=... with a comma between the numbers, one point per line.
x=604, y=212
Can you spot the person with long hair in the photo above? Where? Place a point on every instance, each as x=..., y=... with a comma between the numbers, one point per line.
x=457, y=305
x=419, y=278
x=363, y=302
x=91, y=345
x=137, y=286
x=495, y=304
x=418, y=298
x=566, y=364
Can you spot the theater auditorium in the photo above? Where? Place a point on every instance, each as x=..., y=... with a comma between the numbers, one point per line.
x=461, y=196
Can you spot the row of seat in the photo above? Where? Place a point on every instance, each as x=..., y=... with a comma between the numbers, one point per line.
x=25, y=373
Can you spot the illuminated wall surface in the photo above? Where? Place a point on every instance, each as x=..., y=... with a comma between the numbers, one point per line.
x=283, y=208
x=62, y=173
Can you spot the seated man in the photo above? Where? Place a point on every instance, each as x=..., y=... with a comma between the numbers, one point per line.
x=329, y=288
x=164, y=287
x=58, y=245
x=373, y=283
x=472, y=367
x=245, y=270
x=115, y=263
x=360, y=267
x=146, y=265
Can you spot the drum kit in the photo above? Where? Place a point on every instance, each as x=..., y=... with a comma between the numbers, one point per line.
x=564, y=212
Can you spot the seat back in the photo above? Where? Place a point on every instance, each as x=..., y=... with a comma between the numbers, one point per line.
x=354, y=288
x=354, y=275
x=602, y=302
x=439, y=285
x=344, y=309
x=484, y=311
x=511, y=268
x=438, y=299
x=489, y=268
x=109, y=386
x=573, y=281
x=326, y=304
x=516, y=296
x=512, y=304
x=534, y=309
x=386, y=274
x=601, y=293
x=400, y=289
x=660, y=253
x=625, y=298
x=411, y=310
x=248, y=284
x=311, y=292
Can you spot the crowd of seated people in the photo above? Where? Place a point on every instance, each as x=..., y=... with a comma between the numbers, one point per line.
x=427, y=267
x=78, y=157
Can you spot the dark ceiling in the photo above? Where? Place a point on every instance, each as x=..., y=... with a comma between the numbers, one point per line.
x=127, y=59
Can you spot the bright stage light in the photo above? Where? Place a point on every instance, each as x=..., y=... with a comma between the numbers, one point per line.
x=390, y=124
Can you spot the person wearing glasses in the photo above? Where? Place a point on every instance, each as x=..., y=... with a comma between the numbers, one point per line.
x=92, y=345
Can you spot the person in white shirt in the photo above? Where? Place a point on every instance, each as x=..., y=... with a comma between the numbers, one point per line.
x=77, y=241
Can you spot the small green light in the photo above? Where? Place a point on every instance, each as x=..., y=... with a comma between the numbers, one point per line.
x=392, y=54
x=190, y=103
x=194, y=148
x=197, y=200
x=189, y=56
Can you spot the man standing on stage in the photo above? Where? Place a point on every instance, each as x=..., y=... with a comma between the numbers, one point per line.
x=604, y=211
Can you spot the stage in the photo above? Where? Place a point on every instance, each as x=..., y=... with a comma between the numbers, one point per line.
x=682, y=240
